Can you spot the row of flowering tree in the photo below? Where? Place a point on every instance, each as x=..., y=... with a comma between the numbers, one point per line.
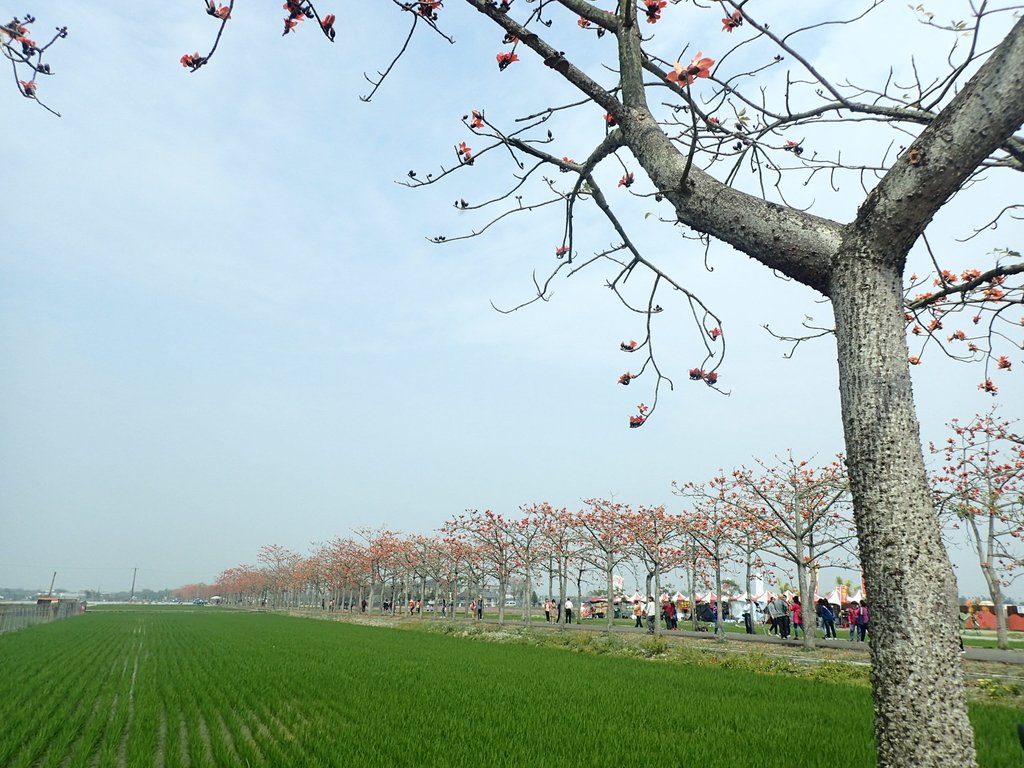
x=790, y=517
x=787, y=516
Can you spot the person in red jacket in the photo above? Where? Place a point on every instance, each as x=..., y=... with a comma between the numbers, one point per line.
x=862, y=621
x=794, y=610
x=670, y=615
x=851, y=619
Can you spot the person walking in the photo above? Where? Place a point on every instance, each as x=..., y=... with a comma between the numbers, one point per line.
x=781, y=610
x=547, y=610
x=638, y=614
x=773, y=615
x=652, y=614
x=798, y=618
x=568, y=611
x=748, y=615
x=480, y=608
x=852, y=612
x=828, y=618
x=862, y=622
x=670, y=615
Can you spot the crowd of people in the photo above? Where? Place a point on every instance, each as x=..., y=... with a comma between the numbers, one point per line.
x=557, y=611
x=781, y=616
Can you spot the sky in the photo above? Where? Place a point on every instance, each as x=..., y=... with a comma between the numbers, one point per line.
x=223, y=323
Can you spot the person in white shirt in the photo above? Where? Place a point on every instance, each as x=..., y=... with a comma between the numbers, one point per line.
x=652, y=614
x=568, y=611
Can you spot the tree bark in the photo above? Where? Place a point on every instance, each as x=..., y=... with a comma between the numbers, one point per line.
x=995, y=591
x=719, y=618
x=563, y=587
x=609, y=612
x=916, y=672
x=806, y=604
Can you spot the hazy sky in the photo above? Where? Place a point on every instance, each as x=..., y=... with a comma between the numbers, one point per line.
x=222, y=324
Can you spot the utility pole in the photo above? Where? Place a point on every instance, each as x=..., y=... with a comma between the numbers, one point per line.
x=131, y=598
x=52, y=581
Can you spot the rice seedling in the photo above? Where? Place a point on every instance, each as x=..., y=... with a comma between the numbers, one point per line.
x=220, y=688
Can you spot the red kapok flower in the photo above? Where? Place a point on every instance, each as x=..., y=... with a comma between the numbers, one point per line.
x=988, y=386
x=696, y=374
x=610, y=119
x=223, y=13
x=465, y=152
x=654, y=10
x=627, y=180
x=1003, y=363
x=636, y=421
x=625, y=378
x=583, y=22
x=428, y=8
x=628, y=346
x=478, y=119
x=505, y=58
x=715, y=332
x=699, y=67
x=327, y=25
x=914, y=360
x=711, y=377
x=729, y=23
x=29, y=87
x=561, y=250
x=192, y=60
x=993, y=294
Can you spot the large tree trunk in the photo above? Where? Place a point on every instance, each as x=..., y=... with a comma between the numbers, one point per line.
x=563, y=587
x=719, y=617
x=579, y=596
x=657, y=598
x=995, y=591
x=920, y=712
x=502, y=590
x=691, y=584
x=803, y=581
x=609, y=611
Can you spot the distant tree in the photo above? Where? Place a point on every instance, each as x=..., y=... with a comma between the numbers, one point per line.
x=491, y=535
x=720, y=528
x=561, y=545
x=981, y=486
x=602, y=531
x=802, y=513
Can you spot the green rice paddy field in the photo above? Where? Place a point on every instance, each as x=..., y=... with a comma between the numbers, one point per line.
x=213, y=687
